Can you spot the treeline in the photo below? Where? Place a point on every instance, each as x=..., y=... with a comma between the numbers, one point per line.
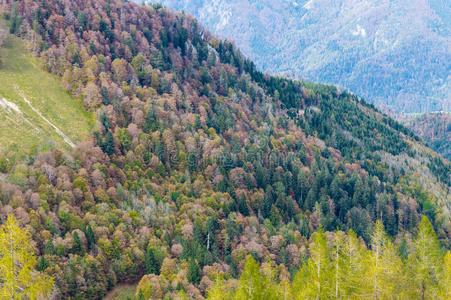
x=341, y=266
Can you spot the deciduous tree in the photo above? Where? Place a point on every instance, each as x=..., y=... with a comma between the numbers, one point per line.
x=18, y=276
x=424, y=263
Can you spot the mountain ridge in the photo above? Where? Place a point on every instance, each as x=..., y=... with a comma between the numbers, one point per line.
x=393, y=53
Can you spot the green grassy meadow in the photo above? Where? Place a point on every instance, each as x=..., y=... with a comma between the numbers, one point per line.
x=122, y=292
x=21, y=127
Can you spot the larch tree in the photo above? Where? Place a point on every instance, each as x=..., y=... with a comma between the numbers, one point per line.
x=270, y=278
x=339, y=265
x=219, y=290
x=424, y=263
x=315, y=279
x=385, y=266
x=18, y=276
x=445, y=282
x=256, y=282
x=251, y=285
x=350, y=259
x=283, y=288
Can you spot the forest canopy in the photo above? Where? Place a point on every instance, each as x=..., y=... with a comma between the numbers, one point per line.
x=198, y=160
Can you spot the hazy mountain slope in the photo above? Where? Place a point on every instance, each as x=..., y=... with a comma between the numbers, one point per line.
x=197, y=159
x=50, y=118
x=435, y=128
x=393, y=53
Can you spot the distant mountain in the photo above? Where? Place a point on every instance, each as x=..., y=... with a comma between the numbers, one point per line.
x=435, y=128
x=393, y=53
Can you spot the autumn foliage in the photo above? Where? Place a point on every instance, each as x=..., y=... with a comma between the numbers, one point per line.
x=198, y=160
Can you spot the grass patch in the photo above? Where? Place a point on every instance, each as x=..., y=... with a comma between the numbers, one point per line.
x=21, y=75
x=122, y=292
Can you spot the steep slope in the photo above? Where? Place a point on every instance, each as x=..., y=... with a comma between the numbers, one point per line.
x=198, y=159
x=35, y=111
x=393, y=53
x=435, y=128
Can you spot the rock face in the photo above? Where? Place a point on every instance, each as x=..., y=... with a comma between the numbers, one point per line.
x=394, y=53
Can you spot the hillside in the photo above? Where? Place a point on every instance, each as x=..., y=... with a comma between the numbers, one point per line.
x=392, y=53
x=35, y=111
x=200, y=167
x=435, y=128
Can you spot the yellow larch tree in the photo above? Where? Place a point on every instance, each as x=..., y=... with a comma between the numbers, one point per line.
x=424, y=265
x=445, y=282
x=385, y=267
x=18, y=276
x=315, y=279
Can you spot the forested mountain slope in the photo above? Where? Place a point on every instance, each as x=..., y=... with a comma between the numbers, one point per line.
x=435, y=128
x=393, y=53
x=197, y=159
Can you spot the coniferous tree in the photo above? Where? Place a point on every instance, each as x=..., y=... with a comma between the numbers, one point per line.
x=108, y=146
x=353, y=261
x=251, y=285
x=193, y=274
x=445, y=280
x=242, y=205
x=219, y=291
x=77, y=247
x=43, y=264
x=192, y=161
x=424, y=263
x=90, y=237
x=14, y=19
x=105, y=96
x=18, y=279
x=49, y=248
x=151, y=120
x=347, y=259
x=385, y=266
x=315, y=279
x=152, y=263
